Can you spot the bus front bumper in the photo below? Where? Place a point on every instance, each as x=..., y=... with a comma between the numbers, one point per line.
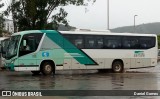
x=10, y=66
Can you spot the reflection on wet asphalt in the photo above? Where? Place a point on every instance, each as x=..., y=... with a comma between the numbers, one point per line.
x=89, y=81
x=81, y=80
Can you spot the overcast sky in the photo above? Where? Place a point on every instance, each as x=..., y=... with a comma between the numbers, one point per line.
x=121, y=13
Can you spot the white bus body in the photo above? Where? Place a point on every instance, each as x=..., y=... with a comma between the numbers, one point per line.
x=69, y=50
x=130, y=58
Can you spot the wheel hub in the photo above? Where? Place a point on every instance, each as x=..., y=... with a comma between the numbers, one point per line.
x=48, y=68
x=117, y=67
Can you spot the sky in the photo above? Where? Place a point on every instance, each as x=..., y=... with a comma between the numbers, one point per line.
x=121, y=13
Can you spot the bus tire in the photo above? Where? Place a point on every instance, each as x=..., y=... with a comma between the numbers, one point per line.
x=47, y=68
x=35, y=72
x=117, y=67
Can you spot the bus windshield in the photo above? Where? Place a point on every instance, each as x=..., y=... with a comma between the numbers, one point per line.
x=4, y=43
x=12, y=46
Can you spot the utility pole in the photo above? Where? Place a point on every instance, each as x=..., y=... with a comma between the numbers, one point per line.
x=135, y=22
x=108, y=14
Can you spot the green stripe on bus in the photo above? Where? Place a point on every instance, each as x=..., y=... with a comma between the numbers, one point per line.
x=56, y=37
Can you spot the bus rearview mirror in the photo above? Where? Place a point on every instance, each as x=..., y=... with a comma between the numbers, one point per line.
x=0, y=48
x=24, y=43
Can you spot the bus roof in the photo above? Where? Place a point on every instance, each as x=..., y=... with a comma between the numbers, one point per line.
x=105, y=33
x=34, y=31
x=82, y=32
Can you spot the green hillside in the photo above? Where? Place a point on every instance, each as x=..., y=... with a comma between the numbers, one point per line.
x=64, y=28
x=153, y=28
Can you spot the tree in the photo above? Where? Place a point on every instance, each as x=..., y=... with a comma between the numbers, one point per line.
x=1, y=25
x=1, y=20
x=34, y=14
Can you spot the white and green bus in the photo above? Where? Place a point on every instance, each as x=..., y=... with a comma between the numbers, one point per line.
x=49, y=50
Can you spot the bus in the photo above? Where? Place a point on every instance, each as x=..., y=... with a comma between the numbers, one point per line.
x=46, y=51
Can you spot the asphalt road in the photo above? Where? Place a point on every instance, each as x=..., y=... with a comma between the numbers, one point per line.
x=140, y=79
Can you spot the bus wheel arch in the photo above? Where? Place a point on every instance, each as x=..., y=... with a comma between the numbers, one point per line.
x=117, y=66
x=47, y=67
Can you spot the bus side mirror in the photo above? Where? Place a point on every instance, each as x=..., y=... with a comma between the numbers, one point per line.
x=0, y=48
x=24, y=43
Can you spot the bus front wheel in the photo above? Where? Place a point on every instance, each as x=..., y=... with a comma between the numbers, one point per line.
x=47, y=68
x=117, y=67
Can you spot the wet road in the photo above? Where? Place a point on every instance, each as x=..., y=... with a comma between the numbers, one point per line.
x=140, y=79
x=89, y=81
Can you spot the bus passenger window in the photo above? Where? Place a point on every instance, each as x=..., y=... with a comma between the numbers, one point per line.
x=126, y=44
x=90, y=42
x=79, y=43
x=130, y=42
x=144, y=45
x=147, y=42
x=99, y=42
x=112, y=42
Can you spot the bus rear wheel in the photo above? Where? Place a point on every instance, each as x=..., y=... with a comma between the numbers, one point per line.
x=117, y=67
x=47, y=68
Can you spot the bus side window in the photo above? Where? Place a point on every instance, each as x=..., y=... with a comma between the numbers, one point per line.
x=33, y=41
x=126, y=44
x=112, y=42
x=144, y=45
x=130, y=42
x=90, y=42
x=147, y=42
x=79, y=42
x=99, y=42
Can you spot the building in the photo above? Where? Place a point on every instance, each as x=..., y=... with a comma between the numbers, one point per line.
x=8, y=25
